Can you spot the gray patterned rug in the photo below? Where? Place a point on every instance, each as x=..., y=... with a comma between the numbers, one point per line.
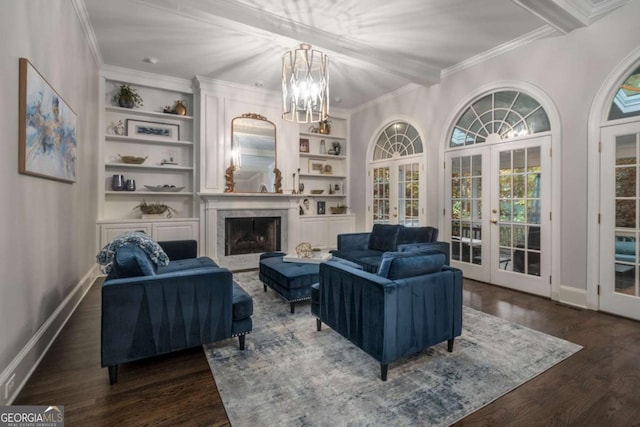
x=292, y=375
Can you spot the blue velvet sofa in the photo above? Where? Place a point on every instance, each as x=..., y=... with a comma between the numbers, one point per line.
x=366, y=249
x=414, y=301
x=149, y=310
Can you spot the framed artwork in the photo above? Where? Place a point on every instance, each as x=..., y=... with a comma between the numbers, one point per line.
x=304, y=145
x=317, y=166
x=321, y=208
x=152, y=130
x=47, y=129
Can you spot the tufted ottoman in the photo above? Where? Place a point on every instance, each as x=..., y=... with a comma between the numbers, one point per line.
x=291, y=280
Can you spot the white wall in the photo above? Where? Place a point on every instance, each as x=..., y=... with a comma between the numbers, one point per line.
x=48, y=241
x=569, y=69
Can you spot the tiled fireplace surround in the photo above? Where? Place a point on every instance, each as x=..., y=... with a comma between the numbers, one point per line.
x=217, y=207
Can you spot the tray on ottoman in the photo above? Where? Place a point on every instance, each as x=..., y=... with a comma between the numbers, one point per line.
x=295, y=258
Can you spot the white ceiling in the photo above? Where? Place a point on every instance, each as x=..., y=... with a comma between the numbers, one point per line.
x=375, y=46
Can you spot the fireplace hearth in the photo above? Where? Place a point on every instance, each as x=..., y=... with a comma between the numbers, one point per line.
x=250, y=235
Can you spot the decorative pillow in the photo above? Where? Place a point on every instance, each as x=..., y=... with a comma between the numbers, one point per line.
x=383, y=237
x=417, y=235
x=131, y=261
x=141, y=240
x=400, y=265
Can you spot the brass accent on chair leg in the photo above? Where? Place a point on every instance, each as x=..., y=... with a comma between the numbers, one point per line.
x=450, y=345
x=318, y=324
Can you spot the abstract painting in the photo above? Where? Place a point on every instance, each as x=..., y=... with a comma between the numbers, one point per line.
x=47, y=131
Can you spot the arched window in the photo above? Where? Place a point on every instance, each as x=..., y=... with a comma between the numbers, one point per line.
x=498, y=116
x=626, y=103
x=399, y=139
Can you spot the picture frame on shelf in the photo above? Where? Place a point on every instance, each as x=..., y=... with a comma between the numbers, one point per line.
x=153, y=130
x=317, y=166
x=304, y=145
x=47, y=130
x=321, y=208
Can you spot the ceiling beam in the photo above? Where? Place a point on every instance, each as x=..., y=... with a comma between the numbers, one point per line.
x=568, y=15
x=236, y=16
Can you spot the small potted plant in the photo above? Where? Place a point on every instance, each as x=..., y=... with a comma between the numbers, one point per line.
x=127, y=97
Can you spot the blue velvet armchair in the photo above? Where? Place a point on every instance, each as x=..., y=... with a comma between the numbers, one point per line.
x=149, y=310
x=413, y=302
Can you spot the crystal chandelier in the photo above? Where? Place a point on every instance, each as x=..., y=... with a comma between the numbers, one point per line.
x=305, y=85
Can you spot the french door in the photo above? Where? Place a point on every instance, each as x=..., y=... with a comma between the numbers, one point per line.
x=498, y=213
x=620, y=225
x=396, y=191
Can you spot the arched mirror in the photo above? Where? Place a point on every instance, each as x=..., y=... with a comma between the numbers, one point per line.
x=253, y=167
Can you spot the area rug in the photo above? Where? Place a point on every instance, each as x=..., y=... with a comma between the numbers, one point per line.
x=292, y=375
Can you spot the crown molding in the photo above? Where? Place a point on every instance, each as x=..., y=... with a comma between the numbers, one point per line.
x=144, y=78
x=540, y=33
x=81, y=11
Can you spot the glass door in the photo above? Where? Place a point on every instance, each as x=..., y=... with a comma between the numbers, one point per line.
x=497, y=198
x=396, y=193
x=619, y=226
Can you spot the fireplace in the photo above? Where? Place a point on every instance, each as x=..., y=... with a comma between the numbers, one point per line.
x=250, y=235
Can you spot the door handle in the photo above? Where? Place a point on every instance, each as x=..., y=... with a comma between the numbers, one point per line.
x=494, y=220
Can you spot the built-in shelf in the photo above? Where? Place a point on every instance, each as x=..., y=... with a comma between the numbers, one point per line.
x=149, y=193
x=139, y=220
x=154, y=141
x=321, y=175
x=322, y=196
x=323, y=135
x=157, y=114
x=155, y=167
x=322, y=156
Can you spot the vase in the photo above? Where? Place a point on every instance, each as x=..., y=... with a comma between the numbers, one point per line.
x=125, y=101
x=117, y=183
x=130, y=185
x=324, y=128
x=181, y=109
x=323, y=147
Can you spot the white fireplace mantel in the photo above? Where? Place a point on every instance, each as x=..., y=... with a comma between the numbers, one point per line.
x=216, y=206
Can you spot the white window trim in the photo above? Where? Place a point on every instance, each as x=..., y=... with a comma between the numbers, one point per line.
x=598, y=118
x=557, y=293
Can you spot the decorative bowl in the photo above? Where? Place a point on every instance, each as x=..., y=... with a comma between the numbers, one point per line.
x=170, y=188
x=338, y=210
x=317, y=191
x=132, y=160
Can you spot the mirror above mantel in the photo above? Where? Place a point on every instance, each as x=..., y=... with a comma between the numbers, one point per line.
x=253, y=166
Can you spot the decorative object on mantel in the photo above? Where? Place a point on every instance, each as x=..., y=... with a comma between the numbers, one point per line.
x=127, y=97
x=158, y=210
x=304, y=250
x=294, y=190
x=228, y=179
x=305, y=85
x=132, y=160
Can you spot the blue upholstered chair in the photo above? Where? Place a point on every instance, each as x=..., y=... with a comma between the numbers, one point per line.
x=414, y=301
x=149, y=310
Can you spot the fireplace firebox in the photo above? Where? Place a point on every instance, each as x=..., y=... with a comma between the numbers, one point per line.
x=249, y=235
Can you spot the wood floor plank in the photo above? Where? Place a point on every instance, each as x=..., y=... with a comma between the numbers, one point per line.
x=600, y=385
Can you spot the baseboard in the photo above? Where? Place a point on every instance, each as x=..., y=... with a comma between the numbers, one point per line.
x=26, y=361
x=573, y=296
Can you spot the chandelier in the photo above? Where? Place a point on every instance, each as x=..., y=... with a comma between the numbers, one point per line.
x=305, y=85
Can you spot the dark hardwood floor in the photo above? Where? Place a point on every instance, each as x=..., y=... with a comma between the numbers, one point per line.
x=598, y=386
